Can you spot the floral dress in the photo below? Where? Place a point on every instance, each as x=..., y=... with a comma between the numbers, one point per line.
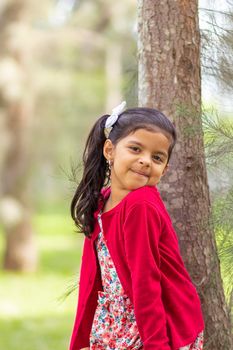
x=114, y=325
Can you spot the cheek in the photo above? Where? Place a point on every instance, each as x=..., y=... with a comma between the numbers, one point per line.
x=121, y=160
x=158, y=171
x=119, y=165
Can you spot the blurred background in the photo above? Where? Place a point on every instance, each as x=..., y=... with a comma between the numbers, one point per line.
x=63, y=64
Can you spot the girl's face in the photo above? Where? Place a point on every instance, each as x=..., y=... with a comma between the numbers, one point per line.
x=139, y=159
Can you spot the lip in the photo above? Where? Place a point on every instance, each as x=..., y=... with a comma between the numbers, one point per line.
x=140, y=173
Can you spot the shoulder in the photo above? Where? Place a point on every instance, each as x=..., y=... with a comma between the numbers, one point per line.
x=145, y=201
x=142, y=212
x=143, y=195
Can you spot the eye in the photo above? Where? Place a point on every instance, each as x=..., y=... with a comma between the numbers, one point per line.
x=134, y=148
x=157, y=158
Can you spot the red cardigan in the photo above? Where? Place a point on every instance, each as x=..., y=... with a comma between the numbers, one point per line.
x=145, y=251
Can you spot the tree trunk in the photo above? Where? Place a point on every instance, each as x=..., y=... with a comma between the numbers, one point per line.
x=16, y=111
x=169, y=80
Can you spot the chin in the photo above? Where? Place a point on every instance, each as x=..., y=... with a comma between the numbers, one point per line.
x=135, y=187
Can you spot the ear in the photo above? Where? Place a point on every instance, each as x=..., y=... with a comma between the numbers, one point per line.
x=108, y=149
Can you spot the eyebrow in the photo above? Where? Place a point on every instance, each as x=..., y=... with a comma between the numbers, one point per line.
x=140, y=144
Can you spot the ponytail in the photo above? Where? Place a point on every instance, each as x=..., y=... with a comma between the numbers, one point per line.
x=87, y=195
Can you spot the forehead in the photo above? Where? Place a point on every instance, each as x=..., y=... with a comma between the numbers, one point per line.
x=148, y=138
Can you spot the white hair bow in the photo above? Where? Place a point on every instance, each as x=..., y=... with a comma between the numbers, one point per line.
x=111, y=120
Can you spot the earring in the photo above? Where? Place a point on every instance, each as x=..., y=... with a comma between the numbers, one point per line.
x=110, y=163
x=108, y=170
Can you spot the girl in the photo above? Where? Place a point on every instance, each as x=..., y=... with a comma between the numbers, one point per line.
x=134, y=292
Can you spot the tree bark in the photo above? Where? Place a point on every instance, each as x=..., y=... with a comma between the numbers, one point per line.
x=16, y=111
x=170, y=80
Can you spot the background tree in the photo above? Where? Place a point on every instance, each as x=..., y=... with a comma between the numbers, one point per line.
x=219, y=156
x=217, y=45
x=16, y=114
x=169, y=79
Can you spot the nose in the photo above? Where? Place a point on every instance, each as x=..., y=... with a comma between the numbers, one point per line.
x=144, y=161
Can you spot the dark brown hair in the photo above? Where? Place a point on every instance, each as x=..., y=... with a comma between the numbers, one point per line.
x=87, y=195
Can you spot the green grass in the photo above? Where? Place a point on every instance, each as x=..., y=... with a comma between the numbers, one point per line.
x=33, y=313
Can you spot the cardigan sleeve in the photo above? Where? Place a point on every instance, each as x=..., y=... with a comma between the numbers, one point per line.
x=142, y=229
x=90, y=284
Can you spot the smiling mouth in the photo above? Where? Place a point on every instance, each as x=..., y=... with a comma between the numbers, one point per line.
x=141, y=174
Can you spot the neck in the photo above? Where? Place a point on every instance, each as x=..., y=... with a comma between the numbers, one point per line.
x=115, y=198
